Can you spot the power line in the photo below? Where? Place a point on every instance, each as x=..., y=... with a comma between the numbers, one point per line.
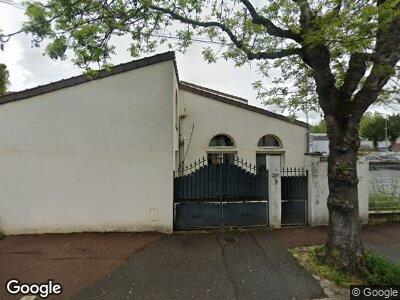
x=194, y=39
x=167, y=36
x=12, y=3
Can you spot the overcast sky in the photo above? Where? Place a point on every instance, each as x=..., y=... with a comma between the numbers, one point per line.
x=28, y=67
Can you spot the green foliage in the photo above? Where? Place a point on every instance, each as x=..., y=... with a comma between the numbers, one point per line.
x=344, y=168
x=393, y=127
x=319, y=128
x=372, y=127
x=87, y=27
x=2, y=236
x=384, y=202
x=4, y=82
x=56, y=49
x=380, y=269
x=317, y=261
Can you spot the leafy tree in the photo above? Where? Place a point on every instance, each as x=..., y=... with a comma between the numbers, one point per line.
x=319, y=128
x=335, y=54
x=372, y=128
x=3, y=79
x=393, y=128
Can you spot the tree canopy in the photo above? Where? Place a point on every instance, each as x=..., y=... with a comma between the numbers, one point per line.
x=393, y=128
x=319, y=128
x=372, y=128
x=3, y=79
x=274, y=33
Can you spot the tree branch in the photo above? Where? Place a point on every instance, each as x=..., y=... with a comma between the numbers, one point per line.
x=386, y=56
x=355, y=72
x=238, y=43
x=271, y=28
x=306, y=14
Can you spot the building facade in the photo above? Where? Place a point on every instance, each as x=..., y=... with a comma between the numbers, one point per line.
x=99, y=154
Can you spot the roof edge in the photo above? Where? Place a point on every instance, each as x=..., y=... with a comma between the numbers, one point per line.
x=214, y=91
x=227, y=99
x=64, y=83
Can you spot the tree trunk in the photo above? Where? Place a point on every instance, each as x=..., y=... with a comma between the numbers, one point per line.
x=344, y=246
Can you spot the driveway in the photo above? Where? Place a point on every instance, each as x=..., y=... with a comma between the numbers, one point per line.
x=229, y=265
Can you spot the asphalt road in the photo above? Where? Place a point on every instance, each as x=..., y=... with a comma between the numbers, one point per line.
x=237, y=265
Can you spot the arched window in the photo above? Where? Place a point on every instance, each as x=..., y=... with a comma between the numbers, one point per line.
x=269, y=140
x=221, y=140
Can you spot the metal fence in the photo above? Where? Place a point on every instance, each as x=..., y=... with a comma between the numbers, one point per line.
x=384, y=187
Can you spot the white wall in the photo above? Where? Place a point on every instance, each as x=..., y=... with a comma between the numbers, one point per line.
x=93, y=157
x=211, y=117
x=318, y=189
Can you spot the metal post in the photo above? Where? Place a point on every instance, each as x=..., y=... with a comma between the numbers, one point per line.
x=386, y=134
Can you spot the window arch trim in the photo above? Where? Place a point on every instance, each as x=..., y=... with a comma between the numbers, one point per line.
x=231, y=143
x=262, y=141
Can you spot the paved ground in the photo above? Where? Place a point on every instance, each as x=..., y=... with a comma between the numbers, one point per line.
x=247, y=265
x=179, y=266
x=74, y=260
x=384, y=238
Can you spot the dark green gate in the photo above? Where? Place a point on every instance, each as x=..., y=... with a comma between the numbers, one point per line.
x=294, y=195
x=220, y=193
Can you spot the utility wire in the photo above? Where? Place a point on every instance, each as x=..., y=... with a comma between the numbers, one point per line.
x=167, y=36
x=12, y=3
x=194, y=39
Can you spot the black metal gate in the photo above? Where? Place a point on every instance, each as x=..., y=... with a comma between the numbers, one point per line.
x=220, y=192
x=294, y=195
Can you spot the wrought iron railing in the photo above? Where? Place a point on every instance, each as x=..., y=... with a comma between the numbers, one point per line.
x=201, y=162
x=220, y=179
x=296, y=171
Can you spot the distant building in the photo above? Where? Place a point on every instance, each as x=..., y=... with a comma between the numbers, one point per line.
x=319, y=143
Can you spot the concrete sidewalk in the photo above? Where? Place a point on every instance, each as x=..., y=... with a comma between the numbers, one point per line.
x=246, y=265
x=384, y=238
x=73, y=260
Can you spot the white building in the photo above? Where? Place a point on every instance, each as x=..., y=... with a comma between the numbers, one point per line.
x=100, y=154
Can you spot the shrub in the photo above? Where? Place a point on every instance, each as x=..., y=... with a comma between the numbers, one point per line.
x=380, y=269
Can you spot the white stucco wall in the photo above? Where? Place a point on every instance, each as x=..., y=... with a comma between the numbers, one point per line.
x=211, y=117
x=93, y=157
x=318, y=189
